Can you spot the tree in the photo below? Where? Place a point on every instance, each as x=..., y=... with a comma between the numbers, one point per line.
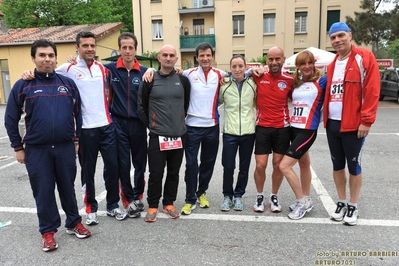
x=372, y=27
x=46, y=13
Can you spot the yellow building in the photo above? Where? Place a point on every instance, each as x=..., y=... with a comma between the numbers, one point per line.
x=15, y=48
x=247, y=27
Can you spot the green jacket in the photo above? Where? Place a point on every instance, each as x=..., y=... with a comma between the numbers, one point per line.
x=239, y=107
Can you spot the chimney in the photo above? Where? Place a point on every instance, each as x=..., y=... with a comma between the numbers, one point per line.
x=3, y=27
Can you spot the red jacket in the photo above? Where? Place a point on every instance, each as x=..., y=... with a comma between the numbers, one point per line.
x=361, y=90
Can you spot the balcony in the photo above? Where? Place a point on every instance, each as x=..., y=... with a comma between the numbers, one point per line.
x=189, y=42
x=196, y=6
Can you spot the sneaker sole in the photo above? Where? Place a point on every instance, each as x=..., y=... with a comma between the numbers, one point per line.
x=149, y=220
x=136, y=215
x=170, y=216
x=91, y=222
x=117, y=218
x=258, y=210
x=71, y=232
x=50, y=248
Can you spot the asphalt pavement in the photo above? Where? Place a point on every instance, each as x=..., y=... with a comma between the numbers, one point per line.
x=211, y=237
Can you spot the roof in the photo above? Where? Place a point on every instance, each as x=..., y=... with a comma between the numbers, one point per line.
x=56, y=34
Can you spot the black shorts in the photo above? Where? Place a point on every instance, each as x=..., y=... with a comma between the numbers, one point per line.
x=270, y=139
x=302, y=140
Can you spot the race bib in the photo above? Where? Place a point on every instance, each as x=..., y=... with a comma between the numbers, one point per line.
x=168, y=143
x=300, y=112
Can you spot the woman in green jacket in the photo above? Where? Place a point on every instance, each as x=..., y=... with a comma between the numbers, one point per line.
x=238, y=95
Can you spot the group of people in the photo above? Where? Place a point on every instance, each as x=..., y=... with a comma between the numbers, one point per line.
x=85, y=107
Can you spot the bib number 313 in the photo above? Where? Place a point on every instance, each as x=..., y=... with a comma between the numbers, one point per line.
x=168, y=143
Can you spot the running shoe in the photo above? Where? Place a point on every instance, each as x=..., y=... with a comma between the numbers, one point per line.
x=274, y=204
x=133, y=210
x=292, y=206
x=259, y=205
x=187, y=208
x=238, y=204
x=79, y=231
x=139, y=204
x=203, y=201
x=151, y=215
x=351, y=215
x=226, y=205
x=170, y=210
x=91, y=218
x=117, y=213
x=49, y=241
x=300, y=210
x=339, y=213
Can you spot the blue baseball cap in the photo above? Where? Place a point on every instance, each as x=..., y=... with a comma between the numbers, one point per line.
x=339, y=26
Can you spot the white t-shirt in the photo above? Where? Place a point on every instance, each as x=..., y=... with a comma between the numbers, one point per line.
x=337, y=90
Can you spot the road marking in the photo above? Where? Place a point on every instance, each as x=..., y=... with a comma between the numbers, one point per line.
x=235, y=218
x=8, y=165
x=321, y=191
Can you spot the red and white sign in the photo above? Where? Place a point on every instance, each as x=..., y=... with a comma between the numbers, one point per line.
x=387, y=63
x=168, y=143
x=249, y=65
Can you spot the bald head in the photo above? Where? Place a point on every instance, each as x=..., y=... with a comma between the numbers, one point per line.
x=167, y=58
x=275, y=60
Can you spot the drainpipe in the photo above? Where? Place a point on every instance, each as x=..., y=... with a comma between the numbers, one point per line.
x=141, y=28
x=320, y=9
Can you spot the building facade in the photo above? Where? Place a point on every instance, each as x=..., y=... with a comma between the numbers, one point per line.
x=247, y=27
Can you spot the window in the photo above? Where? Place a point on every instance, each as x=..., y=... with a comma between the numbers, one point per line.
x=238, y=25
x=198, y=25
x=332, y=16
x=269, y=23
x=301, y=19
x=157, y=30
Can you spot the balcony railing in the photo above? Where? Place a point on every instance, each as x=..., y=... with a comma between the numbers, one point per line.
x=189, y=42
x=198, y=6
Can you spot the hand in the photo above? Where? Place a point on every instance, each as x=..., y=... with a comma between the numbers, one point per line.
x=20, y=156
x=76, y=148
x=179, y=71
x=71, y=59
x=28, y=75
x=258, y=71
x=362, y=131
x=149, y=75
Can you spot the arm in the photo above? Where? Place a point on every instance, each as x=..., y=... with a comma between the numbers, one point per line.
x=142, y=101
x=12, y=117
x=371, y=92
x=187, y=90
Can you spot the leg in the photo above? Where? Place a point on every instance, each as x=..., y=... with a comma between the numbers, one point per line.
x=40, y=166
x=65, y=174
x=230, y=146
x=277, y=175
x=260, y=171
x=88, y=152
x=286, y=165
x=191, y=173
x=156, y=164
x=305, y=173
x=353, y=147
x=108, y=149
x=245, y=154
x=334, y=138
x=138, y=148
x=122, y=137
x=174, y=160
x=209, y=151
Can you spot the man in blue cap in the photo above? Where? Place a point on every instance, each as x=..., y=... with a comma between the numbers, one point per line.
x=350, y=108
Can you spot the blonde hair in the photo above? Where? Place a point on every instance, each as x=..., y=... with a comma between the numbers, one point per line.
x=301, y=58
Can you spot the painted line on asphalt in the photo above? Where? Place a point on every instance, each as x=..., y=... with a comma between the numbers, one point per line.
x=235, y=218
x=8, y=165
x=321, y=191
